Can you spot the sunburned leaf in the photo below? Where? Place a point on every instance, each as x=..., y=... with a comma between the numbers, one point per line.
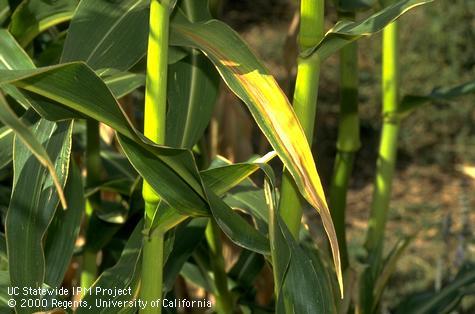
x=251, y=82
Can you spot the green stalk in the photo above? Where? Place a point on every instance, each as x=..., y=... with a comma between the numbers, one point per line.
x=224, y=299
x=154, y=129
x=94, y=168
x=304, y=102
x=348, y=142
x=387, y=147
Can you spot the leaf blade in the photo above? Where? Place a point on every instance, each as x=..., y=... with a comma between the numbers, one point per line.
x=250, y=81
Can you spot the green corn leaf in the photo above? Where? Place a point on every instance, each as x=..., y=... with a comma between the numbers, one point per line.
x=222, y=178
x=64, y=230
x=7, y=136
x=8, y=117
x=64, y=85
x=219, y=179
x=249, y=79
x=28, y=218
x=179, y=194
x=123, y=275
x=95, y=241
x=235, y=227
x=6, y=146
x=183, y=190
x=300, y=282
x=31, y=18
x=113, y=43
x=412, y=102
x=345, y=32
x=250, y=199
x=117, y=165
x=246, y=269
x=4, y=297
x=123, y=83
x=13, y=57
x=192, y=90
x=4, y=11
x=187, y=237
x=3, y=252
x=197, y=276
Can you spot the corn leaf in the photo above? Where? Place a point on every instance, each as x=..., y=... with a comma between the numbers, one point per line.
x=412, y=102
x=113, y=43
x=187, y=237
x=233, y=225
x=124, y=274
x=8, y=117
x=176, y=177
x=7, y=135
x=246, y=269
x=299, y=282
x=13, y=56
x=64, y=230
x=28, y=218
x=192, y=90
x=250, y=81
x=31, y=18
x=223, y=178
x=219, y=179
x=63, y=87
x=345, y=32
x=4, y=11
x=123, y=83
x=250, y=199
x=156, y=173
x=6, y=146
x=4, y=297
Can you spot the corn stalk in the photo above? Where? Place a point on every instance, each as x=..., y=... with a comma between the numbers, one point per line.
x=304, y=103
x=348, y=141
x=387, y=148
x=154, y=129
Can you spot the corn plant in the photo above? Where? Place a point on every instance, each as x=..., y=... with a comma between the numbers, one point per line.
x=147, y=207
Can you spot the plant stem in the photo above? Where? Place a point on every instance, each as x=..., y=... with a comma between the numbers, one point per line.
x=154, y=129
x=224, y=299
x=348, y=141
x=304, y=103
x=94, y=168
x=387, y=147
